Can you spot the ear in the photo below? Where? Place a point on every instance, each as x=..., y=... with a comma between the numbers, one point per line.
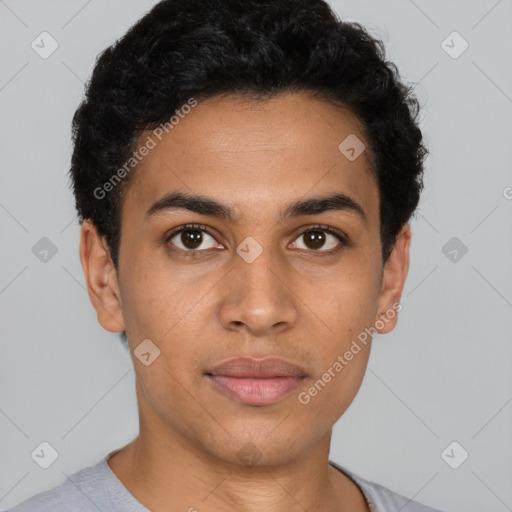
x=101, y=278
x=393, y=281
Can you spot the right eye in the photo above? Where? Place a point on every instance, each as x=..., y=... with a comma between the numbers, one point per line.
x=190, y=237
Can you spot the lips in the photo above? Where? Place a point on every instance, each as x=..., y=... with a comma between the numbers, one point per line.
x=256, y=381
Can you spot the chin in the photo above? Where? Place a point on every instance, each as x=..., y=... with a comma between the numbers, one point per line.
x=255, y=449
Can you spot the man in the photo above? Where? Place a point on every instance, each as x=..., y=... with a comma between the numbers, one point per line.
x=244, y=173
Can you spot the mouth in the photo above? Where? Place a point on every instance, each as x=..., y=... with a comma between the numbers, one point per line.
x=256, y=381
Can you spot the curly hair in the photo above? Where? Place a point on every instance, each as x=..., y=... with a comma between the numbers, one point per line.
x=184, y=49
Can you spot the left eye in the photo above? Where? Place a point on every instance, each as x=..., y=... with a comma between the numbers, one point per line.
x=316, y=239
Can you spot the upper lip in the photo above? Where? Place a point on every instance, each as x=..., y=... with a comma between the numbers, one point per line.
x=249, y=367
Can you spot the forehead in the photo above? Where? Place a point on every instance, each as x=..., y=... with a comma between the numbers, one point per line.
x=254, y=156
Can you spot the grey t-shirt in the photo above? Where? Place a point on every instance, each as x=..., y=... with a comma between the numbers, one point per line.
x=97, y=488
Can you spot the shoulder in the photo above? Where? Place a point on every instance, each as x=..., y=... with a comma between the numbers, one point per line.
x=82, y=491
x=382, y=499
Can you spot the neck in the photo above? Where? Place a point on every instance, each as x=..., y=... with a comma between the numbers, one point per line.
x=163, y=469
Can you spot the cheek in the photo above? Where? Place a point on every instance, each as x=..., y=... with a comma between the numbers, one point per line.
x=153, y=300
x=165, y=391
x=348, y=305
x=159, y=306
x=331, y=392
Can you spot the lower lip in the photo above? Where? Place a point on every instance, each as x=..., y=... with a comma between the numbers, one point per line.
x=254, y=391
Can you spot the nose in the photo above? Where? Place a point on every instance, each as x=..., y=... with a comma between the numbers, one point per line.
x=259, y=297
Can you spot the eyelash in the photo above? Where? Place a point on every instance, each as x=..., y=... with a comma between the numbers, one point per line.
x=317, y=227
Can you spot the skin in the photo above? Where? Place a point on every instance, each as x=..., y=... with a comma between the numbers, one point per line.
x=293, y=302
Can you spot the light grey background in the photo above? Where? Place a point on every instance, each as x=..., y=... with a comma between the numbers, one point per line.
x=442, y=375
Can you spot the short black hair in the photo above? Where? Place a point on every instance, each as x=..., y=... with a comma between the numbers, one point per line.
x=183, y=49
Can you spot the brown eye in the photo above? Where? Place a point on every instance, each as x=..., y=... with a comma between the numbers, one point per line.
x=319, y=239
x=191, y=238
x=314, y=239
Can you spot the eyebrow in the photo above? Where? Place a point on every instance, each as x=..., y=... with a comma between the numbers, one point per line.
x=204, y=205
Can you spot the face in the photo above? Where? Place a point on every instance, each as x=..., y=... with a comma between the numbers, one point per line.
x=279, y=274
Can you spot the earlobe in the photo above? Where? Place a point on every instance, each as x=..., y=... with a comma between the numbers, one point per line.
x=393, y=281
x=101, y=278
